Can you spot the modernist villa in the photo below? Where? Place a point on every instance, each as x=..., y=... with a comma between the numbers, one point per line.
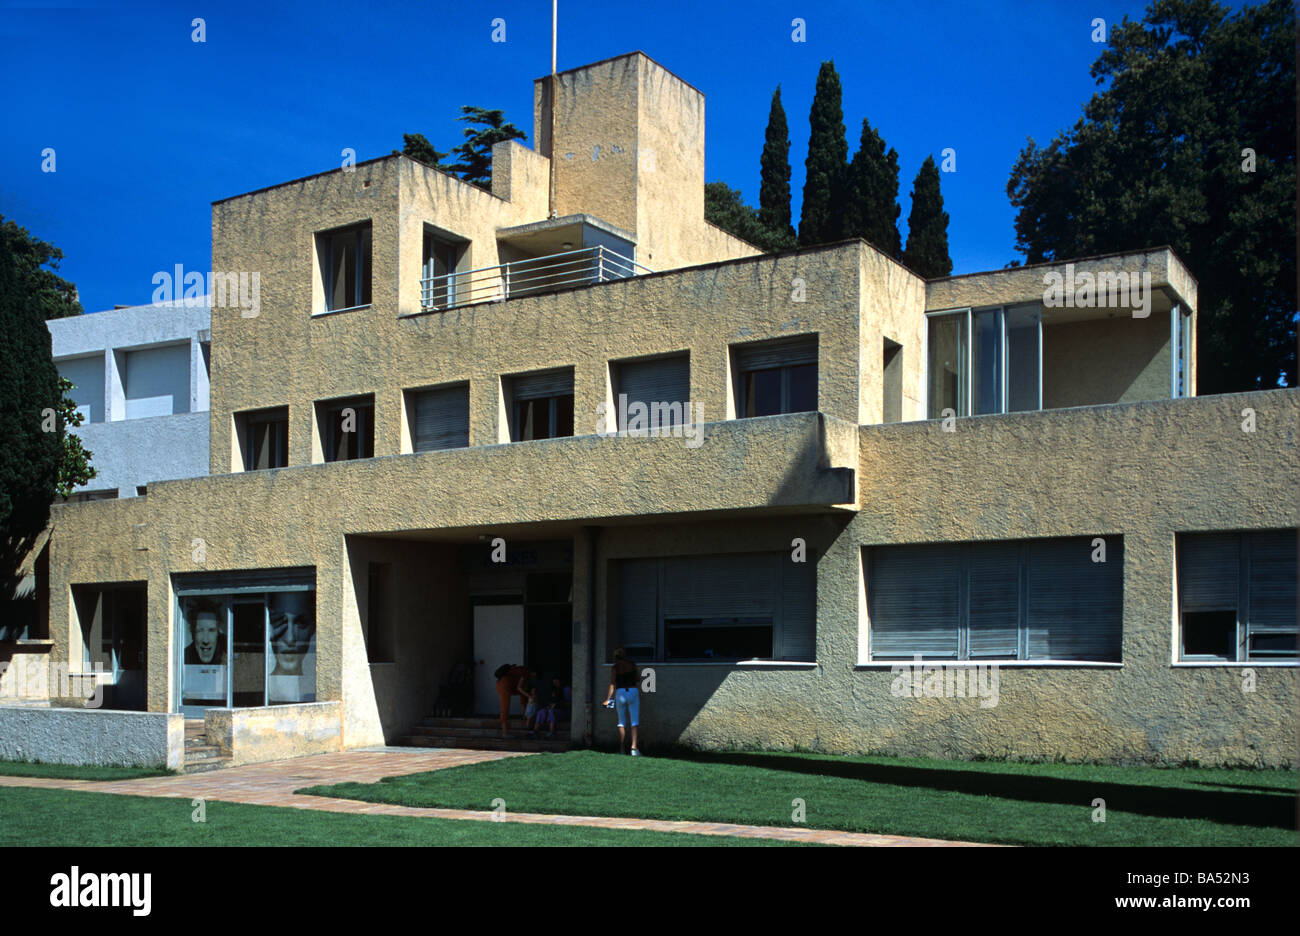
x=823, y=503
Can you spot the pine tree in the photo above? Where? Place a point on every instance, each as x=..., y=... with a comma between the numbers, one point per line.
x=475, y=153
x=821, y=219
x=926, y=253
x=774, y=191
x=418, y=147
x=871, y=194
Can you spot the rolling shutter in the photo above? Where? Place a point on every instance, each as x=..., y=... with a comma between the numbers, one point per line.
x=783, y=352
x=1272, y=580
x=664, y=380
x=1208, y=566
x=798, y=632
x=994, y=601
x=441, y=419
x=638, y=608
x=914, y=601
x=721, y=586
x=544, y=384
x=235, y=583
x=1075, y=605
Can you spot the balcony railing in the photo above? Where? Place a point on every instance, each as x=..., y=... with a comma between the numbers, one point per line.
x=580, y=267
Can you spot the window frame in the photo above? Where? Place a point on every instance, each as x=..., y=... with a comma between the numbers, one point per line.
x=966, y=389
x=328, y=412
x=363, y=248
x=248, y=420
x=743, y=373
x=1245, y=629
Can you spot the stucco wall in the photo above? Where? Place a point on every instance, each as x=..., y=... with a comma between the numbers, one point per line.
x=1144, y=471
x=275, y=732
x=1136, y=355
x=92, y=737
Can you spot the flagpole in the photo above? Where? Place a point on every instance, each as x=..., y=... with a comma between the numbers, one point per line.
x=554, y=28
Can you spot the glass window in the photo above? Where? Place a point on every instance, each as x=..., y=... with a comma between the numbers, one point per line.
x=265, y=437
x=348, y=429
x=985, y=361
x=776, y=377
x=345, y=267
x=439, y=280
x=948, y=364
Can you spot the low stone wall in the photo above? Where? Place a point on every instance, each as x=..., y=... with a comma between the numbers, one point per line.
x=92, y=737
x=275, y=732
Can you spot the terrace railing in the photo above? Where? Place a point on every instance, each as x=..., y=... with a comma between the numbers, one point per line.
x=581, y=267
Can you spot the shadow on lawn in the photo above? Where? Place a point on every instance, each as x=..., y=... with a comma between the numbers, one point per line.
x=1246, y=808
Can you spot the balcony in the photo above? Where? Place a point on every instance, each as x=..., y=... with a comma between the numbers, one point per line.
x=581, y=267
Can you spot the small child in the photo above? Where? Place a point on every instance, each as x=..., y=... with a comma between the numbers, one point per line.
x=530, y=710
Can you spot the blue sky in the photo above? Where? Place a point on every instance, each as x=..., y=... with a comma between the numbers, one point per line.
x=149, y=127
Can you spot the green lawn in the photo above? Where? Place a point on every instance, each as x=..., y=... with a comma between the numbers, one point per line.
x=67, y=772
x=1013, y=803
x=59, y=817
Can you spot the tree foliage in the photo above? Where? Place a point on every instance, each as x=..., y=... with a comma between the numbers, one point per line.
x=486, y=129
x=37, y=460
x=774, y=189
x=1159, y=157
x=725, y=207
x=420, y=149
x=871, y=194
x=821, y=216
x=926, y=253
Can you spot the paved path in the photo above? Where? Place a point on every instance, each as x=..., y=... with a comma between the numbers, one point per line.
x=272, y=784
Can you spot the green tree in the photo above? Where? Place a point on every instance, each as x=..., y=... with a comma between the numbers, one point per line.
x=486, y=129
x=774, y=189
x=821, y=216
x=871, y=194
x=1159, y=157
x=725, y=207
x=419, y=148
x=926, y=253
x=36, y=460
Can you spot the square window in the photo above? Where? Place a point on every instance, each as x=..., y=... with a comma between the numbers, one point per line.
x=776, y=377
x=347, y=428
x=345, y=267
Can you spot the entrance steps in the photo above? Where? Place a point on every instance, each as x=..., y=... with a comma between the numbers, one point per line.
x=484, y=734
x=199, y=755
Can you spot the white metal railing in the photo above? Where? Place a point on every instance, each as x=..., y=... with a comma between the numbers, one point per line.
x=580, y=267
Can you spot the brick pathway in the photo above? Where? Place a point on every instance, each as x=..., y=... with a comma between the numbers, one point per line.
x=272, y=784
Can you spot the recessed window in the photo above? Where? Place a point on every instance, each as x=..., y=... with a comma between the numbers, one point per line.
x=1045, y=599
x=753, y=606
x=438, y=278
x=347, y=428
x=438, y=418
x=541, y=405
x=652, y=394
x=345, y=267
x=775, y=377
x=985, y=361
x=1237, y=596
x=264, y=437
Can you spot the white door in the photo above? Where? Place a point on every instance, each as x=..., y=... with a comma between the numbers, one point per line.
x=498, y=638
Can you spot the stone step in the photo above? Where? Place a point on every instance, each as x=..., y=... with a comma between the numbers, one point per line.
x=488, y=744
x=494, y=732
x=204, y=766
x=206, y=753
x=515, y=722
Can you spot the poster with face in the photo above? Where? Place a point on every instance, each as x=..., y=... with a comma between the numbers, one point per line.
x=293, y=646
x=203, y=680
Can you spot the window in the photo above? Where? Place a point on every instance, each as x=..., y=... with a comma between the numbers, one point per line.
x=264, y=435
x=775, y=377
x=87, y=376
x=1237, y=596
x=245, y=639
x=438, y=277
x=985, y=361
x=652, y=394
x=345, y=267
x=155, y=381
x=439, y=418
x=724, y=608
x=347, y=428
x=1020, y=600
x=892, y=382
x=541, y=405
x=112, y=630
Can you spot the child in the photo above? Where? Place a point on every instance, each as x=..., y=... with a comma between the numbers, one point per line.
x=530, y=709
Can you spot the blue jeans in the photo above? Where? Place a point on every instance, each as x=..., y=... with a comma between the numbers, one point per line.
x=628, y=702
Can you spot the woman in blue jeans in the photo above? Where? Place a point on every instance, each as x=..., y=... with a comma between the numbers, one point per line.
x=623, y=690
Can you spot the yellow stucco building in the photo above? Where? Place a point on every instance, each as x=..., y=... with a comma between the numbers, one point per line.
x=824, y=503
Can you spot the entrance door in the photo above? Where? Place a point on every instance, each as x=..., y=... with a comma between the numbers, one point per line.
x=248, y=654
x=498, y=638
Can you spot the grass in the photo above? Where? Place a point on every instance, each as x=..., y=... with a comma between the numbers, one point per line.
x=58, y=817
x=982, y=801
x=69, y=772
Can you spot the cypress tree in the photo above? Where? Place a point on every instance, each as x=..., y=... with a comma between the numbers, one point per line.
x=774, y=191
x=871, y=208
x=821, y=218
x=927, y=226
